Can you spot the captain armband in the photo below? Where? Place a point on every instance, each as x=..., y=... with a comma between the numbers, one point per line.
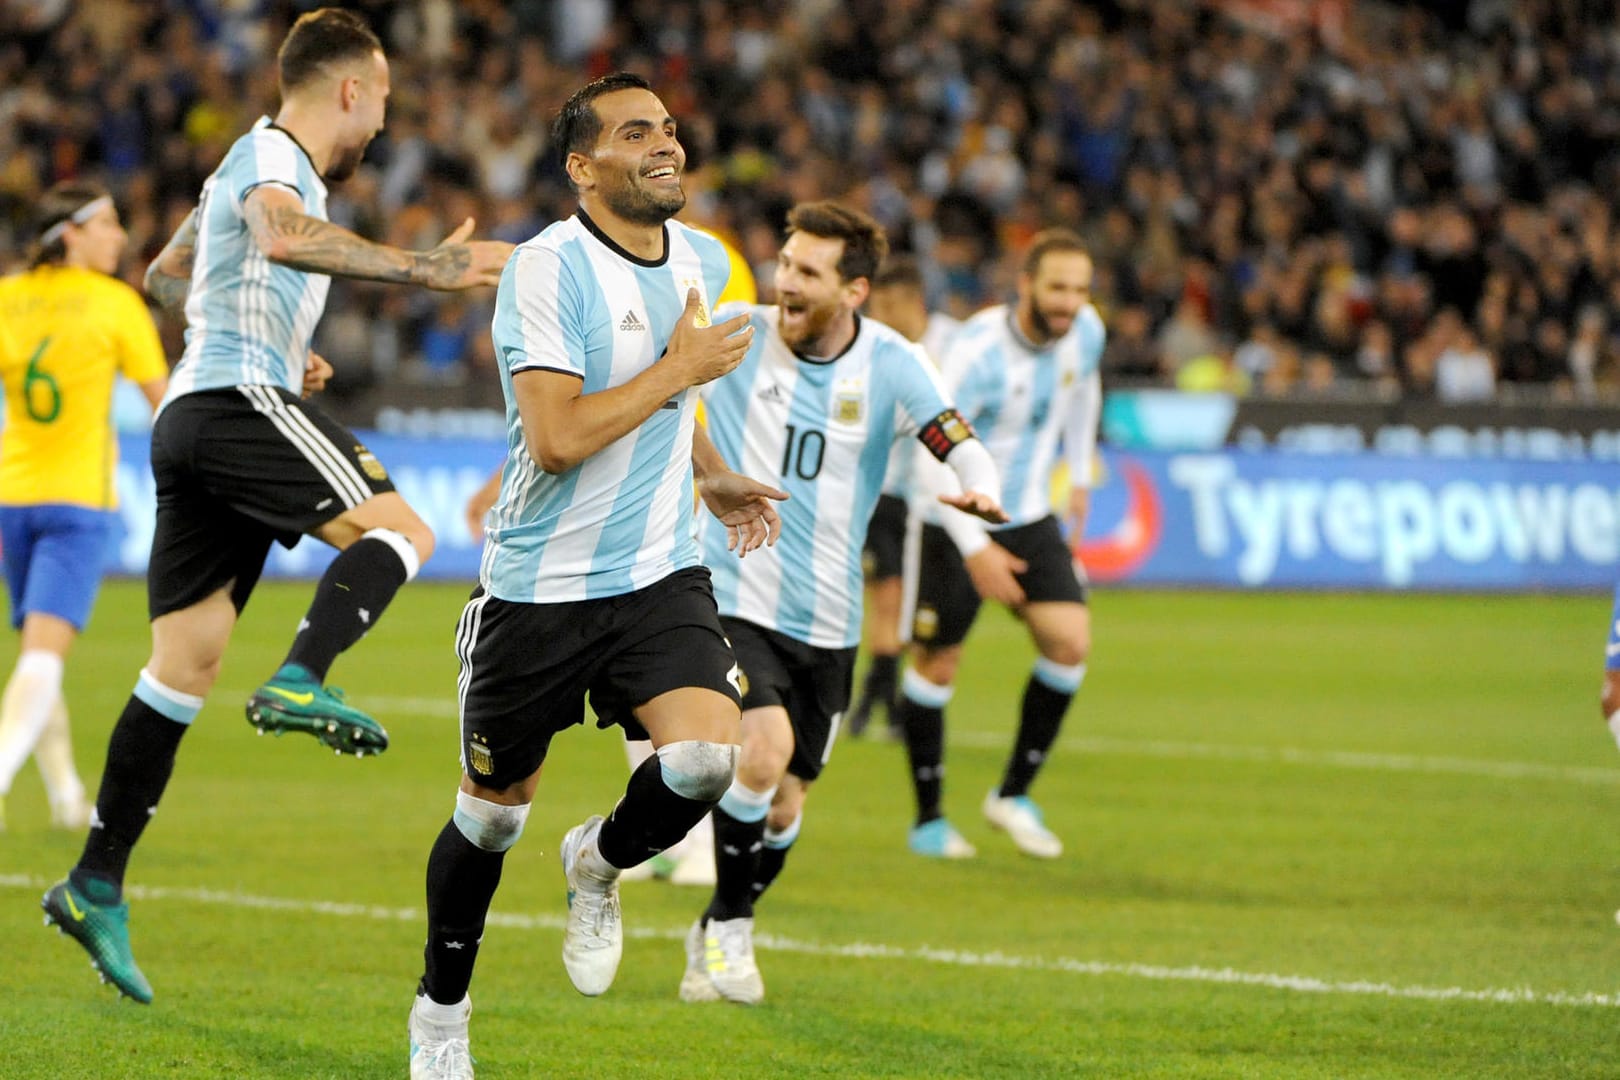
x=945, y=432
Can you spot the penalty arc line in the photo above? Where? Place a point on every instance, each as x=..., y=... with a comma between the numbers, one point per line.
x=1192, y=973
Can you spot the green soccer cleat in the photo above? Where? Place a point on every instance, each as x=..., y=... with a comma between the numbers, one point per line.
x=103, y=930
x=290, y=704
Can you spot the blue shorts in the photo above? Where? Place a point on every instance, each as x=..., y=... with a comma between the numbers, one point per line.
x=54, y=556
x=1611, y=658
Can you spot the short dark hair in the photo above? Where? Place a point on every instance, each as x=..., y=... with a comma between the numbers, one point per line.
x=320, y=37
x=57, y=205
x=865, y=244
x=577, y=126
x=899, y=272
x=1048, y=241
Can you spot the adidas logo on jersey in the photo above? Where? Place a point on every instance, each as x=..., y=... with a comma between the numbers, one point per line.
x=630, y=322
x=773, y=393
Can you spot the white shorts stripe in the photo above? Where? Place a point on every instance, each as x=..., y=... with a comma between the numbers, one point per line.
x=472, y=618
x=315, y=447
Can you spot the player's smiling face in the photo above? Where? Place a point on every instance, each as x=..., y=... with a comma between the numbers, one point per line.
x=1051, y=298
x=637, y=161
x=810, y=294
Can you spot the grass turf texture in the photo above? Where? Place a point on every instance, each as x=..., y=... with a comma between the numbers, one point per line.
x=1414, y=792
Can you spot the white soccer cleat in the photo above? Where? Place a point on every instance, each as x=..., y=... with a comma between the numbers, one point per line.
x=936, y=839
x=440, y=1051
x=594, y=939
x=1021, y=819
x=639, y=872
x=71, y=813
x=728, y=957
x=697, y=868
x=695, y=984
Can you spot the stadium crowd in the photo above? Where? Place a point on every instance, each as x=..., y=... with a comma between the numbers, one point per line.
x=1400, y=202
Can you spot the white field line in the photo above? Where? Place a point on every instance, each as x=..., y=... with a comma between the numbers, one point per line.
x=860, y=950
x=445, y=708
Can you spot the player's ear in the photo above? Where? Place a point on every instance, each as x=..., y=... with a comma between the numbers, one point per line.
x=858, y=290
x=580, y=169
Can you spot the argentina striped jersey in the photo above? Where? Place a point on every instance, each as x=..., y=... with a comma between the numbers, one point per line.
x=1023, y=402
x=822, y=431
x=248, y=320
x=571, y=300
x=936, y=337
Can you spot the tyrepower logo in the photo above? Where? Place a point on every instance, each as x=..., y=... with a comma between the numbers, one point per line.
x=1395, y=527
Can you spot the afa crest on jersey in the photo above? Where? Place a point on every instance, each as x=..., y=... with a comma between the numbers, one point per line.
x=702, y=317
x=849, y=402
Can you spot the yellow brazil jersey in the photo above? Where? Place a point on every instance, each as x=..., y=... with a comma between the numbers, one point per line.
x=69, y=333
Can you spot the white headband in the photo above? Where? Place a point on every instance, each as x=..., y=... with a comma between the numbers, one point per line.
x=78, y=217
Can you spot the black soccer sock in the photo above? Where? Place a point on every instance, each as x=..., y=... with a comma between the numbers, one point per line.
x=739, y=837
x=140, y=759
x=879, y=686
x=923, y=727
x=1040, y=718
x=461, y=881
x=348, y=601
x=773, y=855
x=649, y=818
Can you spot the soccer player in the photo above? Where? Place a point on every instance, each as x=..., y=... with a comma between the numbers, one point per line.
x=1026, y=377
x=241, y=461
x=816, y=407
x=690, y=860
x=71, y=329
x=897, y=299
x=591, y=581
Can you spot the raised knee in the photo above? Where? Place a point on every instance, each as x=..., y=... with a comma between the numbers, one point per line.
x=698, y=770
x=489, y=826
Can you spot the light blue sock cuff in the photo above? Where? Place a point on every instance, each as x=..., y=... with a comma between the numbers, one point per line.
x=924, y=693
x=1060, y=677
x=745, y=804
x=784, y=839
x=180, y=707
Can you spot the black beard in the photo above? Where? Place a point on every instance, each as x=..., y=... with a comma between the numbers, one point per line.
x=1043, y=329
x=640, y=207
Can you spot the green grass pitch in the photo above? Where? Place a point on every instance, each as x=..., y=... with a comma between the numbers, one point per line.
x=1308, y=836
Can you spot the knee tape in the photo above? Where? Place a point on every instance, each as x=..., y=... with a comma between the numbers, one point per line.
x=701, y=771
x=486, y=825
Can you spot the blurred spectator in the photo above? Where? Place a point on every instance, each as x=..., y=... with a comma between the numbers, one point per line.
x=1296, y=191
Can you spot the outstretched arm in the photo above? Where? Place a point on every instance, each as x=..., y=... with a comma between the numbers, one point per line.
x=290, y=237
x=168, y=279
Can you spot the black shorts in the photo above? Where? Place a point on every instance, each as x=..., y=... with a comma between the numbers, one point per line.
x=811, y=683
x=885, y=538
x=526, y=668
x=946, y=603
x=237, y=469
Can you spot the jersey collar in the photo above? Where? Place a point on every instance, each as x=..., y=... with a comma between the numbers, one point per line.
x=608, y=242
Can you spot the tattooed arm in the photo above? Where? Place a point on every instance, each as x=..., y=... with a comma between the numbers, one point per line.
x=290, y=237
x=168, y=279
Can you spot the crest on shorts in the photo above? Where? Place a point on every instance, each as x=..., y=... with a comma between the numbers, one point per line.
x=479, y=759
x=369, y=463
x=925, y=624
x=702, y=318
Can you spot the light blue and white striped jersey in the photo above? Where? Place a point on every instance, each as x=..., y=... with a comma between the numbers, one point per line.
x=821, y=430
x=1023, y=402
x=571, y=300
x=936, y=338
x=248, y=320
